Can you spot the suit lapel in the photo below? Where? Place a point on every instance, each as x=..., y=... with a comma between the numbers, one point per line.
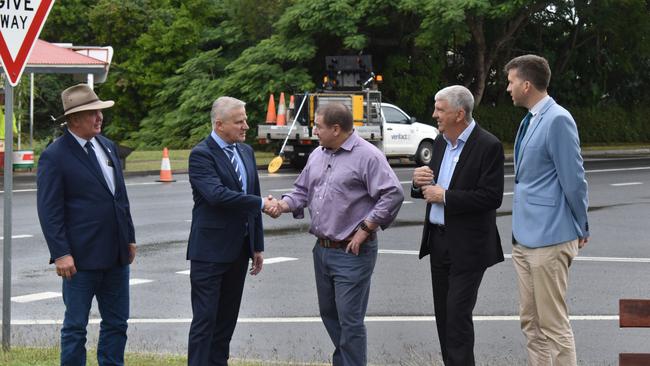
x=79, y=153
x=438, y=154
x=222, y=158
x=467, y=150
x=531, y=130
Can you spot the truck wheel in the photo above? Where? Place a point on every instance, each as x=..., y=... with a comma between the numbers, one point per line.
x=424, y=153
x=298, y=162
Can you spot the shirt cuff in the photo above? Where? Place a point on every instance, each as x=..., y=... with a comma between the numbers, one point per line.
x=262, y=202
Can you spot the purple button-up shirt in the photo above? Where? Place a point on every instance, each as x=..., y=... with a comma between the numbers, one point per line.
x=344, y=187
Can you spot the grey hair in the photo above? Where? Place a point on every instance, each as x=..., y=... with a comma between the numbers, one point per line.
x=222, y=107
x=458, y=97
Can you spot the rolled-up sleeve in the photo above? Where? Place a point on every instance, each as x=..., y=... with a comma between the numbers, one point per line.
x=385, y=188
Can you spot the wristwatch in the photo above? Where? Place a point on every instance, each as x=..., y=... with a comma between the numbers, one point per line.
x=365, y=227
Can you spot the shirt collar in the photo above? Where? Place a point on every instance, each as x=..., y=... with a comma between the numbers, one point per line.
x=222, y=144
x=463, y=135
x=538, y=106
x=349, y=143
x=82, y=141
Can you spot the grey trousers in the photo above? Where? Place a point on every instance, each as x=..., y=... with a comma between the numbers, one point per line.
x=343, y=286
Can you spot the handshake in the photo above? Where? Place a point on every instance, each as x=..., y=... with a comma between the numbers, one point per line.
x=274, y=207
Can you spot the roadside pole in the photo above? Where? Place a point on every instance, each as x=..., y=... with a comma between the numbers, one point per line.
x=8, y=195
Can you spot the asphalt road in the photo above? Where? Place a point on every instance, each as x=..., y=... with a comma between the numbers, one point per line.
x=279, y=316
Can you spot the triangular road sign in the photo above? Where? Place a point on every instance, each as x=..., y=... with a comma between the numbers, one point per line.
x=21, y=22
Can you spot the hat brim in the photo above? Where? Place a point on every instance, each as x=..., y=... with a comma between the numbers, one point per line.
x=88, y=107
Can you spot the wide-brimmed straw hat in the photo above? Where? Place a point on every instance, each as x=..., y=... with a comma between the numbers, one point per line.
x=80, y=98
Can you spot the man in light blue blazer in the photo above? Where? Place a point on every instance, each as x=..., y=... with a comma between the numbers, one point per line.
x=549, y=214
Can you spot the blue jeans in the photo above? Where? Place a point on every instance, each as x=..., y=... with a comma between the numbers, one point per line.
x=111, y=288
x=343, y=286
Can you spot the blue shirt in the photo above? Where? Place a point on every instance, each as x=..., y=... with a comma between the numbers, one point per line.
x=452, y=153
x=244, y=178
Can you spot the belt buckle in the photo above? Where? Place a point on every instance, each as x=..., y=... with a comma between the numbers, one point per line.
x=325, y=243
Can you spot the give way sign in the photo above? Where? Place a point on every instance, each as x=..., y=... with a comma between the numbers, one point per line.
x=21, y=22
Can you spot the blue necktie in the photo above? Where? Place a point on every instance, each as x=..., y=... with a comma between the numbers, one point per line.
x=90, y=149
x=522, y=133
x=230, y=152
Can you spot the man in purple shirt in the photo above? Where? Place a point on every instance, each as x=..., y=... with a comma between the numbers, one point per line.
x=350, y=191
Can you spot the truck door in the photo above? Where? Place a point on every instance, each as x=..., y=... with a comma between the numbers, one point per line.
x=398, y=132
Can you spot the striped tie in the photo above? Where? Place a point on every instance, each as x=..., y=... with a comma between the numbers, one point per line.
x=230, y=151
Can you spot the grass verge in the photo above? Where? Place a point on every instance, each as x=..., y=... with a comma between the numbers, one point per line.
x=23, y=356
x=150, y=160
x=30, y=356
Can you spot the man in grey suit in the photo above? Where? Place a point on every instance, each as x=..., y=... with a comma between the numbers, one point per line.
x=549, y=214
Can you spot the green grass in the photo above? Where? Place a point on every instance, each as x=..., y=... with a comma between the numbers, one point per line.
x=150, y=160
x=24, y=356
x=20, y=356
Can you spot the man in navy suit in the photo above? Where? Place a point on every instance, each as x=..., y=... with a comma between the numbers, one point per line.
x=549, y=212
x=226, y=231
x=84, y=213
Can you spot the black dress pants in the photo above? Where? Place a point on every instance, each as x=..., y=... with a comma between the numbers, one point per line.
x=216, y=295
x=454, y=298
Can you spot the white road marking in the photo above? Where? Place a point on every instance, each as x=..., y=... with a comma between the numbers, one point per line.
x=279, y=260
x=509, y=256
x=35, y=297
x=406, y=202
x=601, y=170
x=138, y=281
x=266, y=261
x=626, y=184
x=153, y=183
x=50, y=295
x=395, y=251
x=603, y=259
x=315, y=319
x=281, y=190
x=18, y=236
x=508, y=193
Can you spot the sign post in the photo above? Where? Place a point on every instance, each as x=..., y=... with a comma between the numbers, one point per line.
x=21, y=21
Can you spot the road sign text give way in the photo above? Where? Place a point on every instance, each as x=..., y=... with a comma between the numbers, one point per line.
x=21, y=22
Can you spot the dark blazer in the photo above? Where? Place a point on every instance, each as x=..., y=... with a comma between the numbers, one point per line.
x=474, y=194
x=223, y=215
x=78, y=213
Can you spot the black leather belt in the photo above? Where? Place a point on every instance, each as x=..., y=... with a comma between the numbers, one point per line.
x=342, y=244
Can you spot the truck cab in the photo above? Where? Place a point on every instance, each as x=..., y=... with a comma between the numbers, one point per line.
x=403, y=136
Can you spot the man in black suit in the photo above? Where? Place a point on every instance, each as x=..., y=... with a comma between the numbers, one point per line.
x=463, y=186
x=226, y=231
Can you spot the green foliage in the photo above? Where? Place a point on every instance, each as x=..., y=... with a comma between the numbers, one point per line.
x=596, y=125
x=174, y=58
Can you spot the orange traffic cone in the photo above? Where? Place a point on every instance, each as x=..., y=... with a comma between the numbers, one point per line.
x=292, y=109
x=165, y=168
x=270, y=111
x=282, y=111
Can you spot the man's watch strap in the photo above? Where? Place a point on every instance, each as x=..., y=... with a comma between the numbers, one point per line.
x=365, y=227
